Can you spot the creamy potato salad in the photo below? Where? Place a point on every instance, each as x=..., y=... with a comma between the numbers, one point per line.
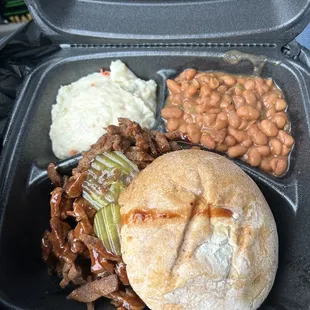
x=84, y=108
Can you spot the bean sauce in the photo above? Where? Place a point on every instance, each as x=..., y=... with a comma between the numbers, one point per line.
x=242, y=116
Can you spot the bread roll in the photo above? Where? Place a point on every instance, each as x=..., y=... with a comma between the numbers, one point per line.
x=197, y=233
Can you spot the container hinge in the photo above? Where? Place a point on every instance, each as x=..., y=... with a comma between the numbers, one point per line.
x=172, y=45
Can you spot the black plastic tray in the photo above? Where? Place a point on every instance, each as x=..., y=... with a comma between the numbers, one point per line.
x=24, y=186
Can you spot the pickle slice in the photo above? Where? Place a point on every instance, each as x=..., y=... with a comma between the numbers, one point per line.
x=107, y=227
x=107, y=176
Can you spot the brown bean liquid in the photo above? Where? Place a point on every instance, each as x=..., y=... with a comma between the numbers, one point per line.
x=243, y=116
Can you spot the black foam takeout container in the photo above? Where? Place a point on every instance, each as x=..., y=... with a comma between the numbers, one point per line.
x=156, y=40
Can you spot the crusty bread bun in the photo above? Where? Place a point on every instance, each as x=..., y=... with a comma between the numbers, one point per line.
x=197, y=233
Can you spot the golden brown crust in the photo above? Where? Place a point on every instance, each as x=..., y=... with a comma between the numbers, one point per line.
x=197, y=233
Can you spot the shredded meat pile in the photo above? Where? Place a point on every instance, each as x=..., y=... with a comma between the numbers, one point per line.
x=71, y=248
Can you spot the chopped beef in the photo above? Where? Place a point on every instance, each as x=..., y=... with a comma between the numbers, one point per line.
x=174, y=135
x=76, y=275
x=73, y=186
x=142, y=143
x=55, y=201
x=127, y=299
x=58, y=240
x=60, y=203
x=162, y=142
x=95, y=289
x=135, y=154
x=47, y=250
x=71, y=249
x=101, y=259
x=76, y=246
x=152, y=144
x=174, y=146
x=120, y=270
x=90, y=305
x=65, y=278
x=54, y=176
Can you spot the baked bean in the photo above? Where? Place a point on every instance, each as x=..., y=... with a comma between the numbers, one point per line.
x=213, y=111
x=228, y=80
x=238, y=91
x=249, y=84
x=269, y=128
x=254, y=157
x=193, y=133
x=270, y=100
x=215, y=98
x=221, y=121
x=183, y=128
x=248, y=113
x=222, y=89
x=214, y=83
x=221, y=148
x=269, y=82
x=227, y=98
x=236, y=151
x=249, y=97
x=230, y=140
x=224, y=104
x=188, y=105
x=232, y=131
x=265, y=165
x=203, y=78
x=247, y=143
x=279, y=120
x=199, y=120
x=243, y=125
x=241, y=135
x=285, y=150
x=280, y=105
x=191, y=91
x=275, y=146
x=285, y=138
x=190, y=74
x=200, y=108
x=259, y=81
x=279, y=93
x=258, y=137
x=209, y=119
x=171, y=112
x=253, y=129
x=271, y=112
x=173, y=86
x=261, y=89
x=238, y=100
x=204, y=100
x=219, y=135
x=241, y=80
x=234, y=120
x=205, y=91
x=207, y=141
x=173, y=124
x=278, y=165
x=188, y=118
x=263, y=150
x=259, y=106
x=283, y=114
